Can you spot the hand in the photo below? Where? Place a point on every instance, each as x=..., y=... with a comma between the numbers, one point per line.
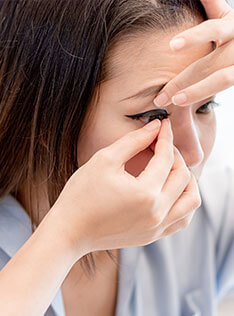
x=212, y=73
x=111, y=209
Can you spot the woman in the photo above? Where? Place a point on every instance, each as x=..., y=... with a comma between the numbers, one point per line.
x=78, y=80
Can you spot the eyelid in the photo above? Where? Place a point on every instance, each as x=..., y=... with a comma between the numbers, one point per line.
x=160, y=114
x=210, y=99
x=149, y=112
x=157, y=110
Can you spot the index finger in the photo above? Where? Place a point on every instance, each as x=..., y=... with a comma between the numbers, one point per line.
x=216, y=9
x=132, y=143
x=218, y=31
x=219, y=27
x=194, y=73
x=159, y=167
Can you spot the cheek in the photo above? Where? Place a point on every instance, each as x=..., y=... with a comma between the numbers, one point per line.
x=207, y=136
x=92, y=140
x=102, y=131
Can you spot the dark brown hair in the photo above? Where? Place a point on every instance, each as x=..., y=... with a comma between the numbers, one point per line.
x=51, y=60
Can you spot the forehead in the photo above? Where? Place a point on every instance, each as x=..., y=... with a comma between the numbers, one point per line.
x=146, y=57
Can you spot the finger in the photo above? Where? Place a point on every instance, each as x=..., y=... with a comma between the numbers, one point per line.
x=217, y=82
x=216, y=9
x=176, y=183
x=219, y=31
x=178, y=226
x=189, y=201
x=131, y=144
x=158, y=168
x=194, y=73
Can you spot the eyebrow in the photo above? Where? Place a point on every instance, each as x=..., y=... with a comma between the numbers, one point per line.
x=150, y=91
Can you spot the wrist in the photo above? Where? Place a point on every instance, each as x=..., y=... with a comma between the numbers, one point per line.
x=74, y=247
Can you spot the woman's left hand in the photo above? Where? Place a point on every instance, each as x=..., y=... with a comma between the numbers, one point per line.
x=212, y=73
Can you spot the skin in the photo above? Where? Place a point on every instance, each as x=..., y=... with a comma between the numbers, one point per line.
x=133, y=74
x=136, y=65
x=212, y=74
x=197, y=129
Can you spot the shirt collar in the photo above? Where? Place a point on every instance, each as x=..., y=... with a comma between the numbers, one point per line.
x=129, y=258
x=15, y=229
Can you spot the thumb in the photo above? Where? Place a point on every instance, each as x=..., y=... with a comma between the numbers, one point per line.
x=216, y=9
x=134, y=142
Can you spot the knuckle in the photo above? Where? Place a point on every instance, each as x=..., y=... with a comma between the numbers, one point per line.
x=180, y=211
x=157, y=218
x=149, y=201
x=204, y=66
x=175, y=85
x=227, y=77
x=218, y=29
x=167, y=163
x=104, y=156
x=196, y=202
x=171, y=156
x=185, y=222
x=185, y=175
x=146, y=198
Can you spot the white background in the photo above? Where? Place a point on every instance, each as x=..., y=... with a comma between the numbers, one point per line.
x=222, y=154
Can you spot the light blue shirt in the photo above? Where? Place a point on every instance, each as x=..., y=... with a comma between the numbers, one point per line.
x=181, y=275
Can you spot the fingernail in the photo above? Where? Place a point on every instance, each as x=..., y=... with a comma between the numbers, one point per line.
x=179, y=99
x=177, y=43
x=161, y=99
x=153, y=125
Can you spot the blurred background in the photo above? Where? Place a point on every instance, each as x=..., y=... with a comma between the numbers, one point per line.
x=223, y=154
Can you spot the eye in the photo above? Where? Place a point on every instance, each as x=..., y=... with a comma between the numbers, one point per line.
x=207, y=107
x=149, y=116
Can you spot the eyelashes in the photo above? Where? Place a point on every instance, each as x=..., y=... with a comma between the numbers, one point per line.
x=149, y=116
x=161, y=114
x=205, y=108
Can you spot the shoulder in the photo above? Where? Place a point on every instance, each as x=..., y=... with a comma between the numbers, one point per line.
x=15, y=226
x=15, y=229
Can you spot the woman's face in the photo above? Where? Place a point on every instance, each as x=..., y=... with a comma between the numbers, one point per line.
x=139, y=64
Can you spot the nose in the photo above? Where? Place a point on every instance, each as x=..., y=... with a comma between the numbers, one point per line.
x=186, y=139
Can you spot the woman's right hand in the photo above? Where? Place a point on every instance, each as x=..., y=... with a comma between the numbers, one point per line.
x=112, y=209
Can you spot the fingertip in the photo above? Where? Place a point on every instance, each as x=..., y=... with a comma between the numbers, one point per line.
x=167, y=121
x=153, y=126
x=177, y=44
x=161, y=100
x=180, y=99
x=166, y=129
